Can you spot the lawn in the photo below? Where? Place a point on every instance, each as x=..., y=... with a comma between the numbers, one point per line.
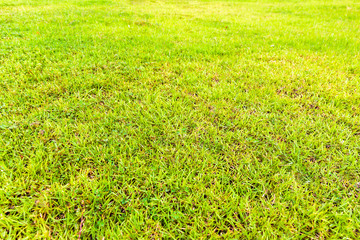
x=179, y=119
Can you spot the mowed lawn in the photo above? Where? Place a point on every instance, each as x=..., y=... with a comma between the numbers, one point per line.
x=179, y=119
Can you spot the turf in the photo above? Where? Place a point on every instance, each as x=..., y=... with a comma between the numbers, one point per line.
x=179, y=119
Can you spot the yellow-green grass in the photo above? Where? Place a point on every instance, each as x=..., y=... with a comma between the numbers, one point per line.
x=179, y=119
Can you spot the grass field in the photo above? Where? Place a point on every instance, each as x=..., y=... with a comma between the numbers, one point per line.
x=179, y=119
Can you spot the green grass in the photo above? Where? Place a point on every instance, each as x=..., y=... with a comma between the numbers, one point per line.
x=179, y=119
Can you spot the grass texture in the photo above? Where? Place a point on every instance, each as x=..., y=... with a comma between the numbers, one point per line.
x=179, y=119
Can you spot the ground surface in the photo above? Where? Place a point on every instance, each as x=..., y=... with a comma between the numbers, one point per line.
x=182, y=119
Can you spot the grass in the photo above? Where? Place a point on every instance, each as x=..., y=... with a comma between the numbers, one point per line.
x=179, y=119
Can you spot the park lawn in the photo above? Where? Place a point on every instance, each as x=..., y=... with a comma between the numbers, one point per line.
x=179, y=119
